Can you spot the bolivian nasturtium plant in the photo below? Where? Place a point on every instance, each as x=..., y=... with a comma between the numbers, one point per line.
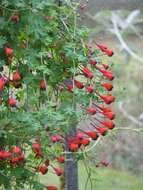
x=50, y=78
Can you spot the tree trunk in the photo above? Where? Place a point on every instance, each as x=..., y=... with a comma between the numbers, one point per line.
x=71, y=167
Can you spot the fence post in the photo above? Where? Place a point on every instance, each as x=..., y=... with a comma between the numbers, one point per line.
x=71, y=166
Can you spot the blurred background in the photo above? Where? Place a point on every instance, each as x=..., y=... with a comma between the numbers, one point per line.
x=118, y=157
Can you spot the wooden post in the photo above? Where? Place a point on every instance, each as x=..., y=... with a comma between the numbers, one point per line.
x=71, y=166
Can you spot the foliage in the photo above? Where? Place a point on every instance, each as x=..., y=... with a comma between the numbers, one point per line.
x=49, y=79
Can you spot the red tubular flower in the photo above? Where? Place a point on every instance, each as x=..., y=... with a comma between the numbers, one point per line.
x=102, y=47
x=91, y=110
x=2, y=84
x=69, y=87
x=108, y=124
x=51, y=188
x=109, y=115
x=108, y=99
x=92, y=61
x=92, y=134
x=89, y=89
x=87, y=72
x=4, y=154
x=102, y=130
x=85, y=142
x=109, y=52
x=107, y=86
x=43, y=169
x=61, y=159
x=17, y=150
x=42, y=85
x=108, y=75
x=12, y=102
x=78, y=84
x=8, y=52
x=79, y=135
x=73, y=147
x=59, y=171
x=16, y=76
x=56, y=138
x=36, y=147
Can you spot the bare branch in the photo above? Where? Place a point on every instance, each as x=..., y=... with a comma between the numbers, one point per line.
x=129, y=116
x=116, y=31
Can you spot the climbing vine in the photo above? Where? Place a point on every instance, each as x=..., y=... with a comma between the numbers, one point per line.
x=50, y=79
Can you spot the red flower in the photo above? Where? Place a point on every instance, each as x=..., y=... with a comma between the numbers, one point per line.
x=12, y=102
x=105, y=109
x=51, y=188
x=8, y=51
x=17, y=150
x=108, y=124
x=42, y=85
x=61, y=159
x=73, y=147
x=4, y=154
x=107, y=86
x=102, y=47
x=85, y=142
x=16, y=76
x=108, y=99
x=80, y=135
x=15, y=18
x=92, y=134
x=108, y=75
x=43, y=169
x=89, y=89
x=91, y=110
x=69, y=87
x=87, y=72
x=36, y=147
x=109, y=115
x=59, y=171
x=56, y=138
x=92, y=61
x=102, y=130
x=2, y=83
x=78, y=84
x=109, y=52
